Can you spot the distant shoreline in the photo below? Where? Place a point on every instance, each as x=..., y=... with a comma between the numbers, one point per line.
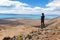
x=25, y=16
x=28, y=18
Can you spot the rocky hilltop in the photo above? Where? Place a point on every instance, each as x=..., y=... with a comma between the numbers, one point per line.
x=30, y=29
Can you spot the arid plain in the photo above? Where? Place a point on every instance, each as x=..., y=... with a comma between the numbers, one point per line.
x=16, y=27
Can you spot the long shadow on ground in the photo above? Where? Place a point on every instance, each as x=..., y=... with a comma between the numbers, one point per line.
x=46, y=25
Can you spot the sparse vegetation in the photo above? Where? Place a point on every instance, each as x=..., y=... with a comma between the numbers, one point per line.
x=33, y=32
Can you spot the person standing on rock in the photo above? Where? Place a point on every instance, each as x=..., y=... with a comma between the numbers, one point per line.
x=42, y=21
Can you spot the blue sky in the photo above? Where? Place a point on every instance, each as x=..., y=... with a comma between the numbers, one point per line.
x=33, y=3
x=30, y=6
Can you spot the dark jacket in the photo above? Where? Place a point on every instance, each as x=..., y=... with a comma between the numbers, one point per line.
x=42, y=18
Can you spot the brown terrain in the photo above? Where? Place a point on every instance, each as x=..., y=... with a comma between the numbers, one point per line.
x=16, y=27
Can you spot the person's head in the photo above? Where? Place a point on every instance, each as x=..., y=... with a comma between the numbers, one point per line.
x=42, y=13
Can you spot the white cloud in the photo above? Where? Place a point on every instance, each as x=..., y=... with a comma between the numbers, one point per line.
x=55, y=3
x=23, y=8
x=53, y=7
x=18, y=7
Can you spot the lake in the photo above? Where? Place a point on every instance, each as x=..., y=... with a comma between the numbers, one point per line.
x=26, y=16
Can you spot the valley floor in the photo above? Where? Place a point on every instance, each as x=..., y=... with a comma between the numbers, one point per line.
x=16, y=27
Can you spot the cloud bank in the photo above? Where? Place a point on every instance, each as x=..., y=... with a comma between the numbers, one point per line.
x=16, y=7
